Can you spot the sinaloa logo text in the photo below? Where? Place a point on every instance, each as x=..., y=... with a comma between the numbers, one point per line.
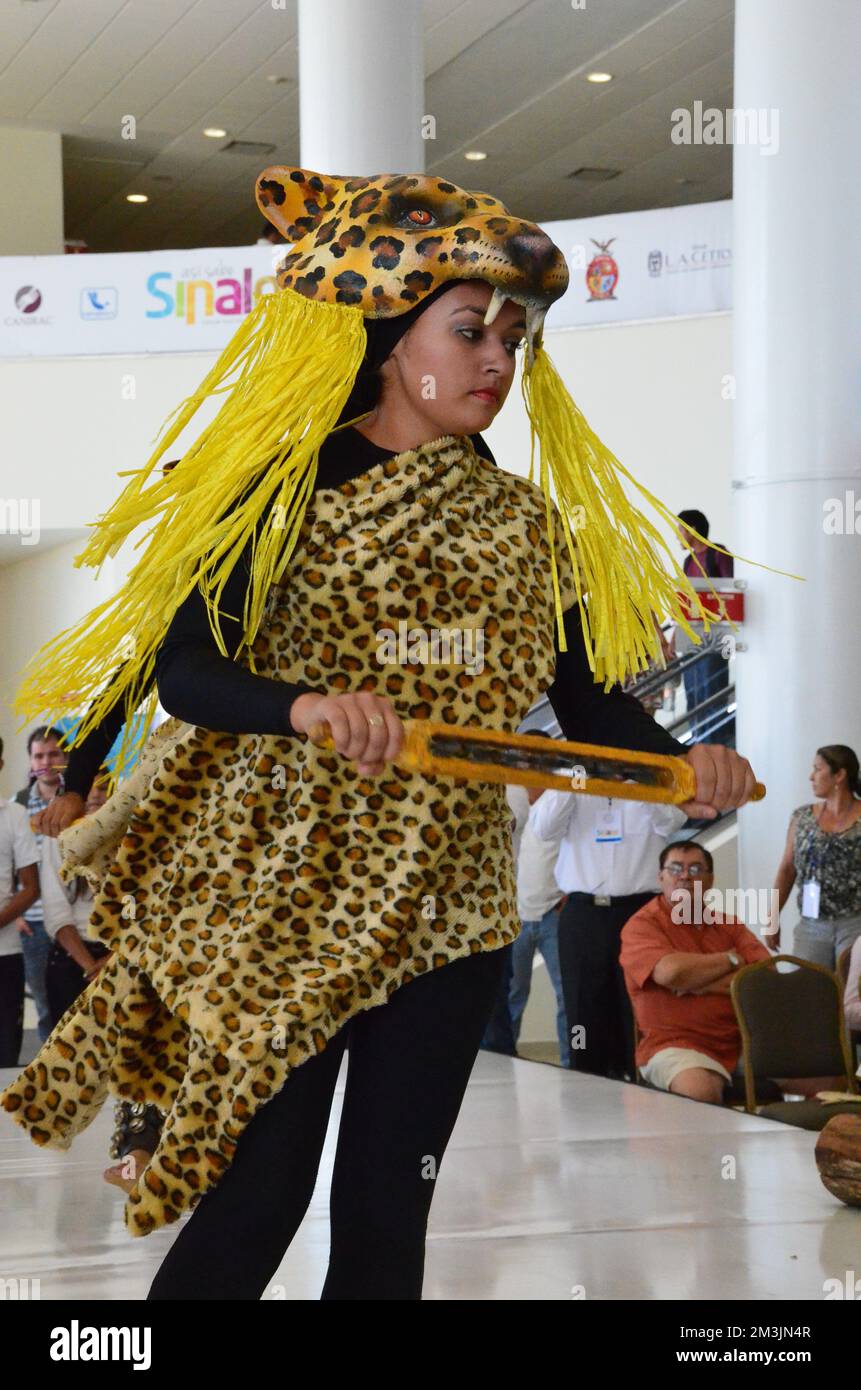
x=206, y=299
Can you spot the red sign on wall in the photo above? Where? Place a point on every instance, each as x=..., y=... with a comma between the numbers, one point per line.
x=727, y=604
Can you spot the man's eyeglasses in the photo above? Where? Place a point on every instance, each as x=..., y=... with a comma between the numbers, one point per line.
x=692, y=870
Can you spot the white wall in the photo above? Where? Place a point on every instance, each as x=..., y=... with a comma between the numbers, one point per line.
x=31, y=219
x=39, y=598
x=72, y=424
x=652, y=391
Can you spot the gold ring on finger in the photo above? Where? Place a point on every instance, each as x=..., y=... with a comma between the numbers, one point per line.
x=374, y=720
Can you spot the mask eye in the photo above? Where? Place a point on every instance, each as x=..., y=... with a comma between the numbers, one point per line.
x=418, y=217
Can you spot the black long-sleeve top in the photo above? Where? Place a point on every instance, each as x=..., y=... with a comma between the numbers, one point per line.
x=200, y=685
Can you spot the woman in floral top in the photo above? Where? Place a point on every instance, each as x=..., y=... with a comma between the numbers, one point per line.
x=823, y=854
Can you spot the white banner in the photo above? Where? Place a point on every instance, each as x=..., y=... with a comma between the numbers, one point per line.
x=142, y=301
x=645, y=265
x=636, y=265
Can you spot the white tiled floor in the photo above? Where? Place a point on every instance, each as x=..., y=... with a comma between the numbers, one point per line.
x=554, y=1185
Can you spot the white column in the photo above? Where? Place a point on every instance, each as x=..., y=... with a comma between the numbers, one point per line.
x=361, y=86
x=31, y=193
x=797, y=350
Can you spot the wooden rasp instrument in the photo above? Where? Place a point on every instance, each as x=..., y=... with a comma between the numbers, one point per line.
x=488, y=755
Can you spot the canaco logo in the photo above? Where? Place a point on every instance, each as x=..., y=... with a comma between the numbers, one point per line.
x=194, y=299
x=602, y=272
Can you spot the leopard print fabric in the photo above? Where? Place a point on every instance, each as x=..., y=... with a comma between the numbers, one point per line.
x=264, y=892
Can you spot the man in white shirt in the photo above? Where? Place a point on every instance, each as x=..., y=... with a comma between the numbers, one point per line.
x=19, y=858
x=539, y=902
x=607, y=866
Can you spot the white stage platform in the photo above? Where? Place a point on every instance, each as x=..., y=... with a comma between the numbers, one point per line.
x=554, y=1186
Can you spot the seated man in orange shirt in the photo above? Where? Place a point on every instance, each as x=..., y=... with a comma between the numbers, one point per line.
x=678, y=976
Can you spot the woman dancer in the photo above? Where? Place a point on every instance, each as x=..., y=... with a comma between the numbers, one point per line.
x=190, y=649
x=272, y=901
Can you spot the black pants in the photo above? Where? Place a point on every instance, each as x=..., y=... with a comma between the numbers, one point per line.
x=409, y=1063
x=593, y=985
x=499, y=1034
x=11, y=1007
x=64, y=980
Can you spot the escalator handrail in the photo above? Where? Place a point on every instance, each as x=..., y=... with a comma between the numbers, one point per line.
x=715, y=702
x=679, y=664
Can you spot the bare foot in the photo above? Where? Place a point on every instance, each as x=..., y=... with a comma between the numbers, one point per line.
x=126, y=1173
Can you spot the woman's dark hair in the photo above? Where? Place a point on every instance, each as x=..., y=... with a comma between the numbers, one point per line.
x=838, y=756
x=366, y=392
x=696, y=519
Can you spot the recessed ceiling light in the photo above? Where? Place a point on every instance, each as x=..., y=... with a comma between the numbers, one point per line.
x=475, y=154
x=599, y=77
x=136, y=198
x=215, y=132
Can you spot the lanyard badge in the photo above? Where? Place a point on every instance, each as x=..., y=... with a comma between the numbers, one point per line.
x=609, y=828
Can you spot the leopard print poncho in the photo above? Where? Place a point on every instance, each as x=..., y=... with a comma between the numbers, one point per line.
x=259, y=891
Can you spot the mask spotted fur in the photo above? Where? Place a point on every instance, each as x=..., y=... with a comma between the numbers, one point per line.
x=386, y=242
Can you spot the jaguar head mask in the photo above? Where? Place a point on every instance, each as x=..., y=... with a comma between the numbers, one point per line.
x=385, y=242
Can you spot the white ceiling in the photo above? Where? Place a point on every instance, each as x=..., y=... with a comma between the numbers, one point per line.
x=505, y=76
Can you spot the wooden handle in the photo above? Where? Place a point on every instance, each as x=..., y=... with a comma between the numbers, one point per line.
x=674, y=784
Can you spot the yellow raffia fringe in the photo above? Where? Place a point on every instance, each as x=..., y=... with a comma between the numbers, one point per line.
x=289, y=369
x=622, y=583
